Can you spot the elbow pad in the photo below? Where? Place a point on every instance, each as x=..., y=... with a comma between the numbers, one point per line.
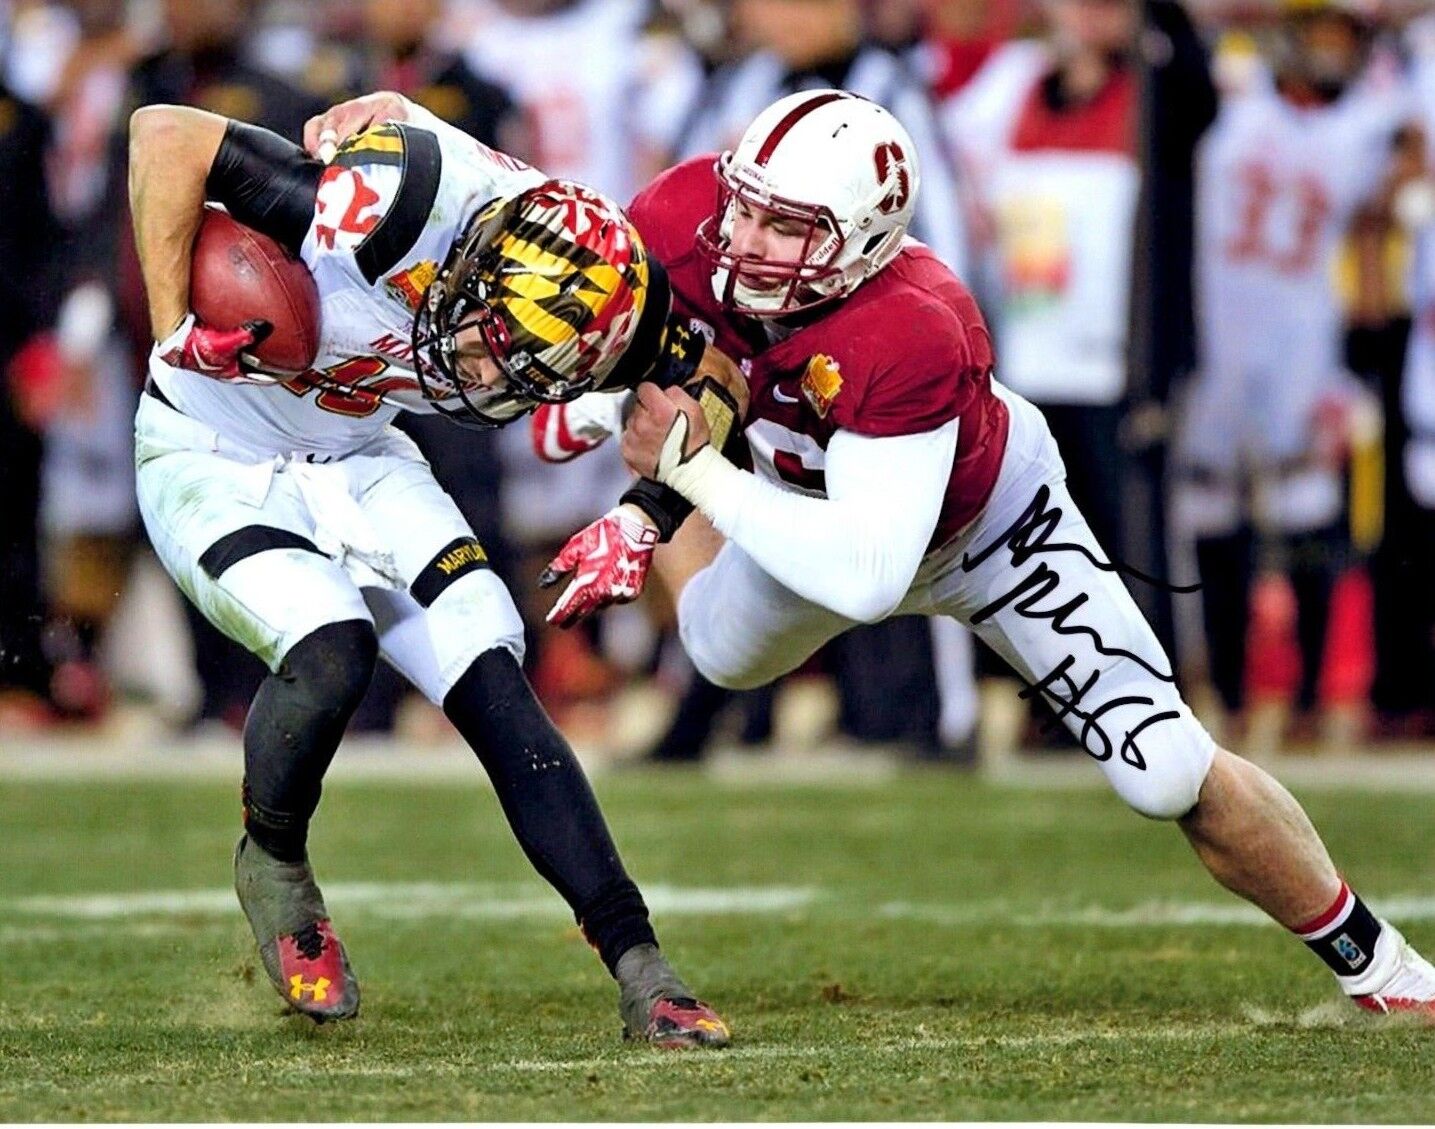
x=266, y=182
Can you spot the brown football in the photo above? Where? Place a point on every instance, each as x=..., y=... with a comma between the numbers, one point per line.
x=239, y=274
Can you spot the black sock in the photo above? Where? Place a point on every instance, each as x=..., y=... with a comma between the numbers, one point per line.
x=1344, y=935
x=548, y=802
x=615, y=920
x=286, y=837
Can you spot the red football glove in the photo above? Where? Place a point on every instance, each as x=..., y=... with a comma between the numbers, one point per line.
x=216, y=353
x=609, y=561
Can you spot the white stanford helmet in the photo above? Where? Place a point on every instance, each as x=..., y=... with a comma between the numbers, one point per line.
x=840, y=164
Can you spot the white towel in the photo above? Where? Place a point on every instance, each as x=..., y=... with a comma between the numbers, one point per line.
x=341, y=528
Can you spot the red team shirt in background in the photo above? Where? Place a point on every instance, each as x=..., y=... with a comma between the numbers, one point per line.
x=907, y=352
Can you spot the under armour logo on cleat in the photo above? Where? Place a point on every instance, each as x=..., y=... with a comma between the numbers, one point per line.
x=318, y=991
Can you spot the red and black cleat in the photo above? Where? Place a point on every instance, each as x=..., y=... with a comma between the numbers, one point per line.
x=682, y=1023
x=314, y=974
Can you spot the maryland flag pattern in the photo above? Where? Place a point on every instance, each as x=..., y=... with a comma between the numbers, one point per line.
x=570, y=275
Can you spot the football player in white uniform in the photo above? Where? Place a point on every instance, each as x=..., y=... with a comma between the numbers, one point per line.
x=891, y=475
x=452, y=278
x=1302, y=142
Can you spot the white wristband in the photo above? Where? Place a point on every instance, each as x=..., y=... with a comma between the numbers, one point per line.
x=693, y=475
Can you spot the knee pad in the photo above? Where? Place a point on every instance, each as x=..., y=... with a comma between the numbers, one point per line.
x=719, y=675
x=330, y=669
x=1176, y=767
x=714, y=662
x=710, y=648
x=294, y=727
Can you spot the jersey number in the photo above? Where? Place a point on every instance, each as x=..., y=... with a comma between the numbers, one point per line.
x=348, y=399
x=342, y=202
x=1262, y=192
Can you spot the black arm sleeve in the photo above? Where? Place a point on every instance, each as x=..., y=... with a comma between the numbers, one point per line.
x=266, y=182
x=1185, y=91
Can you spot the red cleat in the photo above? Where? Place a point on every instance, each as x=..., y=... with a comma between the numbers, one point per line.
x=681, y=1023
x=1402, y=980
x=314, y=974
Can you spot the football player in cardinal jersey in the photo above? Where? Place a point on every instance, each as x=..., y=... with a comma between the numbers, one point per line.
x=452, y=278
x=891, y=475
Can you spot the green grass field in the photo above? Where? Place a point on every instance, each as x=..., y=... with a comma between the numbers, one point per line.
x=929, y=948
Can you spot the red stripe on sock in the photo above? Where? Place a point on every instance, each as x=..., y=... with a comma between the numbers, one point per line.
x=1317, y=924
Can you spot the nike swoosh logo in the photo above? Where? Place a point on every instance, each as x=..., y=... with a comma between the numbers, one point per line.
x=781, y=397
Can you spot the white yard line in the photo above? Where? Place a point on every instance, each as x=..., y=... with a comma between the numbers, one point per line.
x=137, y=910
x=410, y=900
x=1164, y=913
x=47, y=933
x=887, y=1048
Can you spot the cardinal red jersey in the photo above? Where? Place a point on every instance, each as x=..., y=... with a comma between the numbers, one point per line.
x=906, y=353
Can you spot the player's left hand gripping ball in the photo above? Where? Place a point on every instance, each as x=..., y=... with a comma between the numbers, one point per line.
x=609, y=562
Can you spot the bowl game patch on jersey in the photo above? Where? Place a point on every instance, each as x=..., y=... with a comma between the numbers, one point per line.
x=408, y=286
x=821, y=383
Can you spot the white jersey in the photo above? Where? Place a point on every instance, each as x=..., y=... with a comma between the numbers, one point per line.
x=576, y=74
x=1277, y=187
x=1418, y=387
x=388, y=210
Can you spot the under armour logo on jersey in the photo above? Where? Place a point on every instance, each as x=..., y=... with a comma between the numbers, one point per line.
x=318, y=991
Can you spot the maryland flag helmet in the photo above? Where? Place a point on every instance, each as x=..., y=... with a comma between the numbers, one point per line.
x=555, y=280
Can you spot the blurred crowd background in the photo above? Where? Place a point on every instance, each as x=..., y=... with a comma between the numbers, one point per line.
x=1204, y=234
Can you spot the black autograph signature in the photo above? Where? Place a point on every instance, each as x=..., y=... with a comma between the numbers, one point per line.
x=1030, y=536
